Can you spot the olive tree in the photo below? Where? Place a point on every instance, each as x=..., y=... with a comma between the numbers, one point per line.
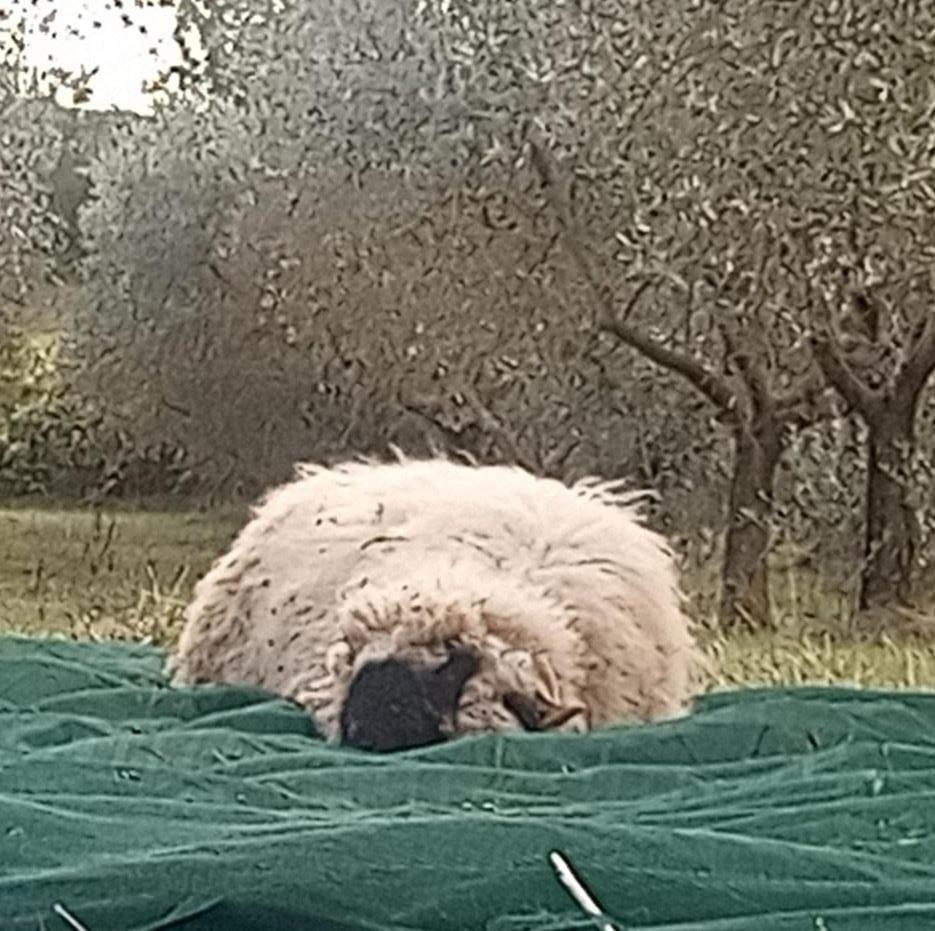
x=464, y=209
x=735, y=166
x=320, y=257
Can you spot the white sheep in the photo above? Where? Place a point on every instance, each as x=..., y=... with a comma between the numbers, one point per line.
x=501, y=598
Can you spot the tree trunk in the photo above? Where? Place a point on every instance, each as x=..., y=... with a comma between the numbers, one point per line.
x=891, y=527
x=891, y=532
x=745, y=573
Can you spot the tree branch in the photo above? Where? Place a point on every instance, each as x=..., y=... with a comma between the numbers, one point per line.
x=751, y=369
x=835, y=368
x=715, y=388
x=430, y=409
x=807, y=399
x=488, y=421
x=921, y=362
x=712, y=386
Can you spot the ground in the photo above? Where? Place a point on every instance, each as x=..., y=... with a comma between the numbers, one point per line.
x=127, y=574
x=106, y=573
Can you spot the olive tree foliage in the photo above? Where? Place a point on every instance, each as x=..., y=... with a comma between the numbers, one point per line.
x=205, y=233
x=40, y=425
x=43, y=147
x=613, y=114
x=872, y=280
x=27, y=144
x=321, y=258
x=749, y=168
x=53, y=440
x=449, y=222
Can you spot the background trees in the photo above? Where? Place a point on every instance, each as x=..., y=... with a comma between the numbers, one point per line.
x=687, y=244
x=740, y=165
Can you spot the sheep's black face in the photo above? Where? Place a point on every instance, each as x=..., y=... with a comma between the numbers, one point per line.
x=394, y=705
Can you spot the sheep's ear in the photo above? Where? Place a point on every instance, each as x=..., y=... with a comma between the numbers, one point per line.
x=525, y=709
x=561, y=716
x=533, y=718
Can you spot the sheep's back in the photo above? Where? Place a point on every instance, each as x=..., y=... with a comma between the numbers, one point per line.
x=270, y=610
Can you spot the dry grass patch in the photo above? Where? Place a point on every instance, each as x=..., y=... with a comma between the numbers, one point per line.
x=127, y=574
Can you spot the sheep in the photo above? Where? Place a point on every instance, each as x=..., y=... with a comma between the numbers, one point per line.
x=405, y=602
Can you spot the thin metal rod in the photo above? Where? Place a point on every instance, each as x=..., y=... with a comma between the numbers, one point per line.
x=576, y=888
x=67, y=917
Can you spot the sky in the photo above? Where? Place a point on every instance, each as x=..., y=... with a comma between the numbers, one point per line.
x=92, y=34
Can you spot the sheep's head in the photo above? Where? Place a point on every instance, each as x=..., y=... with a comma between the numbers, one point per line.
x=395, y=705
x=417, y=664
x=398, y=702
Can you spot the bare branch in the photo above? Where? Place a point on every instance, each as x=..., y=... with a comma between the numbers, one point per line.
x=557, y=460
x=809, y=398
x=751, y=368
x=830, y=359
x=430, y=409
x=710, y=384
x=920, y=363
x=548, y=175
x=489, y=422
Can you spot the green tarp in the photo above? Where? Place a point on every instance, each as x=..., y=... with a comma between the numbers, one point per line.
x=137, y=806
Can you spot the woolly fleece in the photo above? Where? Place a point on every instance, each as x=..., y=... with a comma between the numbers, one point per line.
x=565, y=593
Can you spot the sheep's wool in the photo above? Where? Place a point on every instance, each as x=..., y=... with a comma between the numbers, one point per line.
x=566, y=596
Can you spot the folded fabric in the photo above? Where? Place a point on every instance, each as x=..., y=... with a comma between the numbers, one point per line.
x=131, y=805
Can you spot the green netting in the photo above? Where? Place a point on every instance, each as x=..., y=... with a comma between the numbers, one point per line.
x=136, y=806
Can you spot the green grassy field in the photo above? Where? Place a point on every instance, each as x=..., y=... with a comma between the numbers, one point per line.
x=127, y=574
x=109, y=574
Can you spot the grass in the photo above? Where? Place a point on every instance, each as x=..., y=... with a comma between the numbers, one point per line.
x=105, y=574
x=785, y=659
x=127, y=574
